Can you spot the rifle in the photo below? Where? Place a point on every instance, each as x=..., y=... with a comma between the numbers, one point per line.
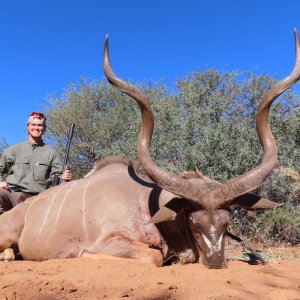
x=56, y=178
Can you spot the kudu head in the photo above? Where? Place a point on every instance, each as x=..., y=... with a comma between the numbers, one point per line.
x=209, y=200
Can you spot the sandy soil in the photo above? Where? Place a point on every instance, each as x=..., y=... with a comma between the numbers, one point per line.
x=84, y=278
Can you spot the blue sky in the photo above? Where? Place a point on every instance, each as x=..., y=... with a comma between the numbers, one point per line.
x=47, y=44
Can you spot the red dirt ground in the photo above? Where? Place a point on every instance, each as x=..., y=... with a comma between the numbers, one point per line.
x=83, y=278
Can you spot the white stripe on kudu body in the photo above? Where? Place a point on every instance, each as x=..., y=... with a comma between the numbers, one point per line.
x=84, y=207
x=60, y=210
x=48, y=211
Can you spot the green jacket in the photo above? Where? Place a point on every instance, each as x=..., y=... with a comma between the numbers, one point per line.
x=29, y=166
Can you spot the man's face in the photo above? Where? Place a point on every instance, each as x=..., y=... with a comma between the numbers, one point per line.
x=36, y=129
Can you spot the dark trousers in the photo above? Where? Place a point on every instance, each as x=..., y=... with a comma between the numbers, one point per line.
x=9, y=199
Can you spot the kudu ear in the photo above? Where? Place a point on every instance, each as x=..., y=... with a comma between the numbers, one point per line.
x=164, y=214
x=253, y=202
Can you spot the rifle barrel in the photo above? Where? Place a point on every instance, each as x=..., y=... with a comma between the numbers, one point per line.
x=70, y=136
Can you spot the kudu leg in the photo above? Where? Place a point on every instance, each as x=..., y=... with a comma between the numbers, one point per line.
x=120, y=247
x=11, y=225
x=7, y=255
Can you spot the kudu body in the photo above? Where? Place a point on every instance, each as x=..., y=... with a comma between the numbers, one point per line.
x=112, y=210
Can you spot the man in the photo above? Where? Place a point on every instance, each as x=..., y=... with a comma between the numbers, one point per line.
x=26, y=169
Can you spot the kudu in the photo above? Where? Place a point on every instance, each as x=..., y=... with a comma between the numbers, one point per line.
x=112, y=210
x=207, y=202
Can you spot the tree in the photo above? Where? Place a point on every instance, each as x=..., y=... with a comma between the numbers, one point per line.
x=3, y=145
x=103, y=123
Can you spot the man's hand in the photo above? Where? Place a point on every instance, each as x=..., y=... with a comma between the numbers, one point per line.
x=3, y=185
x=66, y=175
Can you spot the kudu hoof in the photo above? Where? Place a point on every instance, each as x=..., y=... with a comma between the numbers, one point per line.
x=7, y=255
